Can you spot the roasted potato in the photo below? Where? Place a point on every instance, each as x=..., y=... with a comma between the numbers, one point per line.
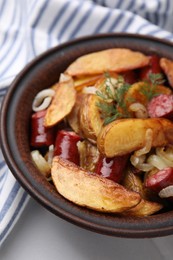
x=144, y=208
x=73, y=117
x=133, y=181
x=127, y=135
x=62, y=103
x=89, y=117
x=107, y=60
x=167, y=66
x=89, y=155
x=90, y=190
x=135, y=94
x=85, y=81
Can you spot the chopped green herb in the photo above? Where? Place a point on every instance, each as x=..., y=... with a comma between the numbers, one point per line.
x=149, y=88
x=156, y=78
x=112, y=94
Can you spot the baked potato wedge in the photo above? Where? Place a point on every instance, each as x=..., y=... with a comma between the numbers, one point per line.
x=89, y=117
x=132, y=181
x=167, y=67
x=73, y=117
x=90, y=190
x=144, y=208
x=62, y=103
x=127, y=135
x=116, y=59
x=89, y=155
x=85, y=81
x=135, y=93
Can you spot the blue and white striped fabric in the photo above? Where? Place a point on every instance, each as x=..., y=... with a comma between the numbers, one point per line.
x=29, y=27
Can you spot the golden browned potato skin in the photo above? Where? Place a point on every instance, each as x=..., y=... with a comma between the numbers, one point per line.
x=135, y=93
x=89, y=117
x=132, y=181
x=144, y=208
x=85, y=81
x=89, y=155
x=91, y=190
x=62, y=103
x=116, y=59
x=167, y=66
x=127, y=135
x=73, y=117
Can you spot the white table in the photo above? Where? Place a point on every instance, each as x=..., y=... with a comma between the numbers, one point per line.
x=41, y=235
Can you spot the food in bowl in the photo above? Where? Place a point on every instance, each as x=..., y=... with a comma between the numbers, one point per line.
x=104, y=133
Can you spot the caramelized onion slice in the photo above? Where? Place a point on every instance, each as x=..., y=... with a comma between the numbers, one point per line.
x=138, y=158
x=166, y=154
x=166, y=192
x=156, y=161
x=41, y=163
x=43, y=99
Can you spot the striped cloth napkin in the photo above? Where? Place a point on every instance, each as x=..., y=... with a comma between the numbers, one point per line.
x=29, y=27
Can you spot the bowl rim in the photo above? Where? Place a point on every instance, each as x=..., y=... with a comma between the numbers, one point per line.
x=37, y=194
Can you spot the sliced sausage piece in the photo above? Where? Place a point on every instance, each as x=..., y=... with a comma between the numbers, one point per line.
x=66, y=146
x=112, y=168
x=161, y=106
x=40, y=135
x=160, y=180
x=153, y=67
x=130, y=76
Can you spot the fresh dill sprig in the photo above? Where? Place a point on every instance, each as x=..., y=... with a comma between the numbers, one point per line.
x=112, y=105
x=156, y=78
x=149, y=88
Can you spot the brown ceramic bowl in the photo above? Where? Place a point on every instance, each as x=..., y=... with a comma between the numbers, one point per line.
x=15, y=115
